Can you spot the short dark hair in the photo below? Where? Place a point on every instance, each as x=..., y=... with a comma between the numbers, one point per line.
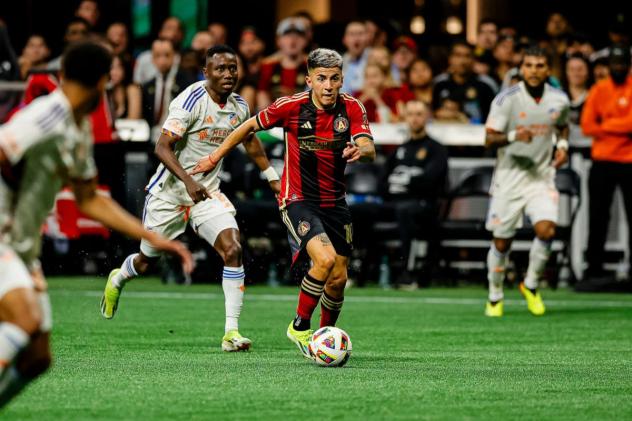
x=220, y=49
x=78, y=19
x=86, y=63
x=487, y=22
x=536, y=51
x=462, y=42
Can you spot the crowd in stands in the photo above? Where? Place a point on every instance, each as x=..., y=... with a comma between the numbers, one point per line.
x=389, y=74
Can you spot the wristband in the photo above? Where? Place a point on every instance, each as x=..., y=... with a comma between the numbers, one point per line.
x=511, y=136
x=562, y=144
x=213, y=160
x=271, y=174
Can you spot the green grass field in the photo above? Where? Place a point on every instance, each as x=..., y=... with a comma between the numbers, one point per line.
x=430, y=354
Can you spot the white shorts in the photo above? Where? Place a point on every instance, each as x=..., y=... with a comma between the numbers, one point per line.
x=13, y=272
x=505, y=215
x=170, y=220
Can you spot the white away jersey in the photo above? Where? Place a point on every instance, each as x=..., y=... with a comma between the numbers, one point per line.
x=46, y=148
x=202, y=125
x=521, y=165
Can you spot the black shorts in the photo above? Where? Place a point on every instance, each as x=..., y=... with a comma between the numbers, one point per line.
x=304, y=221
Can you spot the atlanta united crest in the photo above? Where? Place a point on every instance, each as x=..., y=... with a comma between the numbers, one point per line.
x=303, y=228
x=341, y=124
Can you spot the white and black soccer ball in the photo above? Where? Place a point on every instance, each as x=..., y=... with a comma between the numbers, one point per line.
x=331, y=346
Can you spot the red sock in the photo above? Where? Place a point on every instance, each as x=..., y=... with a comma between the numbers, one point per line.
x=311, y=290
x=330, y=309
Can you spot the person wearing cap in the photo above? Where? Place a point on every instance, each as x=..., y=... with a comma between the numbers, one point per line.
x=284, y=72
x=404, y=53
x=607, y=118
x=355, y=58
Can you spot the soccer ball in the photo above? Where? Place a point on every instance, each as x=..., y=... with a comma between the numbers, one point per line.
x=331, y=346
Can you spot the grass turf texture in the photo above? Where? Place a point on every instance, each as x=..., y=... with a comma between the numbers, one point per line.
x=430, y=354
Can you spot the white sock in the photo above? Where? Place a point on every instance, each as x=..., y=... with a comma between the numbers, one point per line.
x=13, y=339
x=233, y=285
x=496, y=263
x=538, y=256
x=127, y=272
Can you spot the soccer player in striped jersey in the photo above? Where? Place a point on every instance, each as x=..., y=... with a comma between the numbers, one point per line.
x=526, y=122
x=46, y=145
x=199, y=120
x=324, y=130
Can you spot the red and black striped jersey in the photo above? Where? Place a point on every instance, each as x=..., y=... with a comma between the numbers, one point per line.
x=314, y=141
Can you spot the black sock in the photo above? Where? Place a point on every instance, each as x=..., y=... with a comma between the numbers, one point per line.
x=301, y=324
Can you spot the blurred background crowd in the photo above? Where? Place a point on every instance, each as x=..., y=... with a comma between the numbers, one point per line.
x=414, y=64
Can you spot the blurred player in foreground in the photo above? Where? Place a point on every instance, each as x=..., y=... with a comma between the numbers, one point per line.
x=45, y=146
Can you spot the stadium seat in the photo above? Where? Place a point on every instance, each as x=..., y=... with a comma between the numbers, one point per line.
x=464, y=239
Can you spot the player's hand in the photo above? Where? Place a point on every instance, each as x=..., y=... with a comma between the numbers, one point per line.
x=196, y=191
x=275, y=186
x=177, y=249
x=351, y=152
x=560, y=158
x=524, y=135
x=204, y=165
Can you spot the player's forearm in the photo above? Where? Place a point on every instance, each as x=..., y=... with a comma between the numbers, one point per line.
x=367, y=150
x=496, y=139
x=256, y=152
x=235, y=138
x=112, y=215
x=165, y=154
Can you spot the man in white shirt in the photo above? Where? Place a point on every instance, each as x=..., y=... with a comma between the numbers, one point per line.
x=45, y=146
x=199, y=120
x=526, y=122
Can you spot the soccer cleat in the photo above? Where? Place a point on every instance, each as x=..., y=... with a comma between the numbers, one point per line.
x=301, y=339
x=110, y=299
x=534, y=301
x=494, y=310
x=234, y=342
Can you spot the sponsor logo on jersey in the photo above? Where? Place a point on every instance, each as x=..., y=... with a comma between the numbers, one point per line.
x=233, y=119
x=421, y=154
x=203, y=134
x=522, y=115
x=306, y=125
x=208, y=119
x=341, y=124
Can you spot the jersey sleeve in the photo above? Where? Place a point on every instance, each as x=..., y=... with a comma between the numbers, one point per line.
x=25, y=130
x=180, y=113
x=499, y=113
x=562, y=120
x=276, y=114
x=358, y=120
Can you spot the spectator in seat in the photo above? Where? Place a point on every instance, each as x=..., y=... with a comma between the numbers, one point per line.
x=159, y=91
x=118, y=37
x=473, y=92
x=284, y=73
x=251, y=50
x=125, y=96
x=413, y=181
x=354, y=59
x=34, y=55
x=420, y=81
x=486, y=38
x=89, y=10
x=404, y=53
x=577, y=82
x=172, y=30
x=383, y=104
x=78, y=29
x=219, y=32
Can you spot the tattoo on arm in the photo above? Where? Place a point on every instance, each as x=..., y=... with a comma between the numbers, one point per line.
x=324, y=239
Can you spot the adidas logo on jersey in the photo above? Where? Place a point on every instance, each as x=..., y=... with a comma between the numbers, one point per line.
x=306, y=125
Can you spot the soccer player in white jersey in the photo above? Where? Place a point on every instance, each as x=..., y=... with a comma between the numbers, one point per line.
x=44, y=146
x=199, y=120
x=526, y=122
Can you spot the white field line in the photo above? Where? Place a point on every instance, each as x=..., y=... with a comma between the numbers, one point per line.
x=352, y=299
